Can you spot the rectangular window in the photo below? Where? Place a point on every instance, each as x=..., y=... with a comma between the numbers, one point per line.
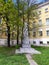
x=34, y=23
x=34, y=34
x=47, y=21
x=40, y=22
x=34, y=42
x=41, y=42
x=46, y=10
x=39, y=12
x=40, y=33
x=47, y=32
x=47, y=42
x=0, y=20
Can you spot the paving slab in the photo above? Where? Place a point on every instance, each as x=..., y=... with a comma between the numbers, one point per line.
x=30, y=60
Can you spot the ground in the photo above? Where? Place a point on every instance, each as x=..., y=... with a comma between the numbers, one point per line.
x=43, y=58
x=7, y=57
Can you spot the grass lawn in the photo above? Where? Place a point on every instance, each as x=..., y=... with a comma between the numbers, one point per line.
x=42, y=59
x=7, y=57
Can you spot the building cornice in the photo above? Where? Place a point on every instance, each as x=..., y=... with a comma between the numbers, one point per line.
x=43, y=4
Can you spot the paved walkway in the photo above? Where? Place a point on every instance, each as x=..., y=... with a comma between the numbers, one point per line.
x=30, y=60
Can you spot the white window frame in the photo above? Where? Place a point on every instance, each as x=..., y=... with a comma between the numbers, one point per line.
x=40, y=22
x=47, y=21
x=40, y=33
x=47, y=32
x=46, y=10
x=39, y=12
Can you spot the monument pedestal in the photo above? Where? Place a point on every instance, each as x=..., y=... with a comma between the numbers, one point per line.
x=27, y=51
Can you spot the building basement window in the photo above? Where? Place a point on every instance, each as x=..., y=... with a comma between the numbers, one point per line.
x=34, y=42
x=47, y=42
x=41, y=42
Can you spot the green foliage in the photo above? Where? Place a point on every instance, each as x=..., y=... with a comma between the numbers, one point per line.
x=18, y=46
x=14, y=14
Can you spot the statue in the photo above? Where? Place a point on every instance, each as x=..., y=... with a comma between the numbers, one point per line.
x=25, y=36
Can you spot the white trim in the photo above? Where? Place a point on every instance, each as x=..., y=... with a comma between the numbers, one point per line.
x=40, y=30
x=3, y=42
x=47, y=28
x=38, y=40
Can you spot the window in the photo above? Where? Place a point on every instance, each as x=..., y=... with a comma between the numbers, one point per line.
x=47, y=21
x=0, y=31
x=40, y=33
x=47, y=42
x=41, y=42
x=40, y=22
x=34, y=23
x=6, y=34
x=34, y=42
x=0, y=20
x=47, y=32
x=34, y=34
x=39, y=12
x=46, y=10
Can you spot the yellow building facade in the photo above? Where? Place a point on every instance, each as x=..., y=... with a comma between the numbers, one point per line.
x=41, y=31
x=40, y=27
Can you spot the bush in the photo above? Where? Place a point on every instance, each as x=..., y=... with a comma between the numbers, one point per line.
x=18, y=46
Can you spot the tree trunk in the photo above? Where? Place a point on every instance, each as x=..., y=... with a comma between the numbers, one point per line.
x=17, y=35
x=22, y=31
x=22, y=37
x=8, y=31
x=8, y=37
x=28, y=19
x=23, y=25
x=12, y=38
x=18, y=22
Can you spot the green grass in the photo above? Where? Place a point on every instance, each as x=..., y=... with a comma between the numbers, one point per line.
x=42, y=59
x=7, y=57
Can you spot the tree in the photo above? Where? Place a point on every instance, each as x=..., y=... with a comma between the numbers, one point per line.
x=7, y=10
x=27, y=9
x=19, y=7
x=15, y=15
x=23, y=17
x=18, y=22
x=31, y=12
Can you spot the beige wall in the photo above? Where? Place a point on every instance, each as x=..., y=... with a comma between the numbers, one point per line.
x=43, y=17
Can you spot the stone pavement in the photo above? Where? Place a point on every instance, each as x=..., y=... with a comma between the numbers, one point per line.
x=30, y=60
